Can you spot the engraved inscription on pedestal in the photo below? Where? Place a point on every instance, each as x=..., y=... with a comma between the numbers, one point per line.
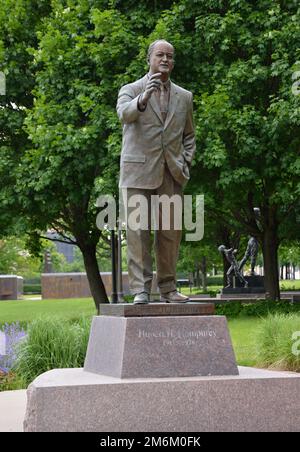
x=177, y=346
x=171, y=337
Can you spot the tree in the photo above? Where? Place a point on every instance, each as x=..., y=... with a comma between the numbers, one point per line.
x=19, y=21
x=289, y=256
x=15, y=259
x=249, y=123
x=68, y=128
x=242, y=56
x=237, y=58
x=81, y=60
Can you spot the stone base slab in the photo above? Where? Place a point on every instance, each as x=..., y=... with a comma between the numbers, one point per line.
x=72, y=400
x=242, y=290
x=154, y=347
x=11, y=287
x=157, y=309
x=252, y=280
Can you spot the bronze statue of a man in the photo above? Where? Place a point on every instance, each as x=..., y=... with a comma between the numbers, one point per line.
x=157, y=150
x=251, y=251
x=233, y=270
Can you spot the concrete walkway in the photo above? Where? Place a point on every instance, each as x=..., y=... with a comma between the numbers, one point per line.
x=12, y=410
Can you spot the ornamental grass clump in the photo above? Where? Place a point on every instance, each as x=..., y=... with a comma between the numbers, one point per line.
x=52, y=343
x=278, y=342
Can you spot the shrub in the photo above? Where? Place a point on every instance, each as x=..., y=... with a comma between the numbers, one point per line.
x=231, y=309
x=215, y=280
x=32, y=288
x=257, y=309
x=36, y=280
x=276, y=342
x=52, y=343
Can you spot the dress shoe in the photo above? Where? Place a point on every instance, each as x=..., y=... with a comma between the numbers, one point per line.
x=141, y=298
x=173, y=297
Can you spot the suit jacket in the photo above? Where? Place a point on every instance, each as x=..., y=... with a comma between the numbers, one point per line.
x=149, y=143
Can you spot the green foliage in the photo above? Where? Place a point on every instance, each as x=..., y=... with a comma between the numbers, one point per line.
x=19, y=22
x=215, y=280
x=51, y=344
x=238, y=59
x=15, y=259
x=60, y=137
x=246, y=116
x=191, y=253
x=231, y=309
x=32, y=289
x=289, y=253
x=276, y=342
x=81, y=60
x=257, y=309
x=76, y=266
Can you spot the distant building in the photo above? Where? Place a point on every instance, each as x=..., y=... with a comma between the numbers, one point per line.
x=68, y=250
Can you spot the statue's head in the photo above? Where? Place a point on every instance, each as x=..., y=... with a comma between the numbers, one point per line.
x=222, y=248
x=160, y=57
x=252, y=238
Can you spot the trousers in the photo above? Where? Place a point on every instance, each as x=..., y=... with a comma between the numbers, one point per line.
x=140, y=236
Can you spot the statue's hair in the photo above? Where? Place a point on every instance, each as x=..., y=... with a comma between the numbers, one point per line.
x=153, y=44
x=221, y=249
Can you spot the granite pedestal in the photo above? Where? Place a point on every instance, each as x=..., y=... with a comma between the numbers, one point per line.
x=162, y=368
x=72, y=400
x=11, y=287
x=256, y=285
x=160, y=340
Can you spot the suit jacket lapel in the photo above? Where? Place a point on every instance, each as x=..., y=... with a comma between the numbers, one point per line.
x=155, y=106
x=172, y=104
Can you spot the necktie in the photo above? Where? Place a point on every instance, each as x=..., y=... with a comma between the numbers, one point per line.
x=163, y=99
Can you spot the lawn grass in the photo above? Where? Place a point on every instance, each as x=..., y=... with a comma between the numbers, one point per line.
x=290, y=284
x=242, y=329
x=25, y=311
x=244, y=332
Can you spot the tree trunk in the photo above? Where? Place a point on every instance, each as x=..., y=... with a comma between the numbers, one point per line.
x=197, y=270
x=281, y=271
x=270, y=253
x=93, y=274
x=204, y=273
